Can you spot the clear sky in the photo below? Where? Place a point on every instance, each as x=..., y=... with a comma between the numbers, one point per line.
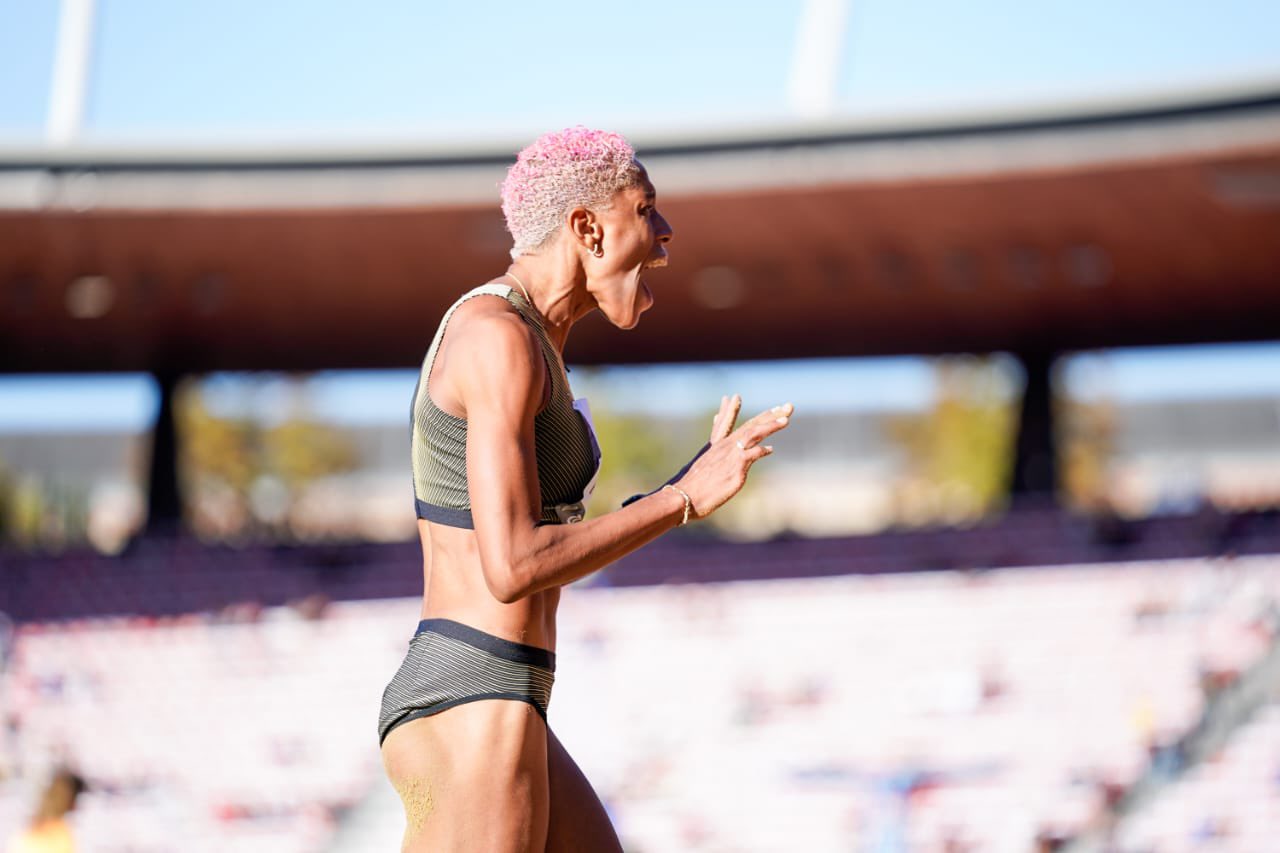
x=365, y=397
x=316, y=69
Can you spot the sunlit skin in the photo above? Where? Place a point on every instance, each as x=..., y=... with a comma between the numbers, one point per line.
x=489, y=775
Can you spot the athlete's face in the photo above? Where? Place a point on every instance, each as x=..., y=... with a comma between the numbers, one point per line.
x=633, y=238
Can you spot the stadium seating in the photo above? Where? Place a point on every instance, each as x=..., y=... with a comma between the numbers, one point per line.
x=161, y=576
x=1230, y=802
x=831, y=713
x=206, y=735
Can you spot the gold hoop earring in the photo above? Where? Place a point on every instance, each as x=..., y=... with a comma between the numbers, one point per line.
x=597, y=250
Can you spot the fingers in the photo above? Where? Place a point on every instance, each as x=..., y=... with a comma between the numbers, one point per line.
x=765, y=424
x=718, y=475
x=717, y=422
x=718, y=427
x=784, y=411
x=725, y=420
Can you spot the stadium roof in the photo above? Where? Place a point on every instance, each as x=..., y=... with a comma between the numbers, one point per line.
x=1133, y=221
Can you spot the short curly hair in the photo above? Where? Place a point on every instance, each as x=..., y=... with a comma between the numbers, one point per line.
x=562, y=170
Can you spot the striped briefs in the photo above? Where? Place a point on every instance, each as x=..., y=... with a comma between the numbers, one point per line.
x=449, y=664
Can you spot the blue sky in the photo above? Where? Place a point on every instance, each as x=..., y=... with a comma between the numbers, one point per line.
x=364, y=397
x=299, y=69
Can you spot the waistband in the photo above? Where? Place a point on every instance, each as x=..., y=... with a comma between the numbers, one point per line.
x=453, y=517
x=496, y=646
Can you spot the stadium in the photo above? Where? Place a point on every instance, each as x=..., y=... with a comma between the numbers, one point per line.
x=1019, y=611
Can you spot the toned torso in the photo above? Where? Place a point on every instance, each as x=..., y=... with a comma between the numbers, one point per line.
x=454, y=588
x=452, y=577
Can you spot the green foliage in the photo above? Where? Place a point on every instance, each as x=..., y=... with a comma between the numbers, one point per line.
x=1087, y=445
x=223, y=458
x=960, y=453
x=640, y=453
x=299, y=451
x=214, y=448
x=42, y=515
x=28, y=512
x=6, y=502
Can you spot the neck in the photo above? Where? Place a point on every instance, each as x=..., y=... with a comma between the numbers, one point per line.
x=557, y=291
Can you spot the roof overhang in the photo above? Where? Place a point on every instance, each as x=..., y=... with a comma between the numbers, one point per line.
x=1090, y=225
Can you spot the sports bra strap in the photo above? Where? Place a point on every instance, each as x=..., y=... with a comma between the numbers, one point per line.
x=503, y=290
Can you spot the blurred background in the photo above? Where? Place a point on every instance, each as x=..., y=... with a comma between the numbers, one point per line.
x=1009, y=582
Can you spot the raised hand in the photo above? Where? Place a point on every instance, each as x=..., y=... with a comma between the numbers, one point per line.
x=722, y=424
x=721, y=472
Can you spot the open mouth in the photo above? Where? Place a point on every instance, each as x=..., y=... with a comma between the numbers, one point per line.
x=655, y=262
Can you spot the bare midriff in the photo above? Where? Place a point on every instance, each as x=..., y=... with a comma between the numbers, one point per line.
x=454, y=588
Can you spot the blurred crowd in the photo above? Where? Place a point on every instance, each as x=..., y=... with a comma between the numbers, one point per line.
x=957, y=711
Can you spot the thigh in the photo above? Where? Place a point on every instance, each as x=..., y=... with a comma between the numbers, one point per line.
x=473, y=777
x=578, y=821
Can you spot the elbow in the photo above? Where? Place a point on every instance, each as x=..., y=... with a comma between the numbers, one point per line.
x=508, y=585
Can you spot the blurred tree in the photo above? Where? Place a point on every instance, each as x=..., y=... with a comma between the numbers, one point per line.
x=299, y=451
x=1086, y=446
x=215, y=458
x=28, y=512
x=237, y=469
x=42, y=513
x=641, y=452
x=6, y=503
x=211, y=446
x=959, y=454
x=637, y=457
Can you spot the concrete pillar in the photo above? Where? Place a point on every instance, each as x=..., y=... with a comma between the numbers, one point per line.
x=1035, y=460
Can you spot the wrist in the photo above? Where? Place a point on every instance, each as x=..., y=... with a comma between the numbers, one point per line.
x=682, y=502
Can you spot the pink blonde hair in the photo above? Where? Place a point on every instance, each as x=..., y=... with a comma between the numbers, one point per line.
x=561, y=170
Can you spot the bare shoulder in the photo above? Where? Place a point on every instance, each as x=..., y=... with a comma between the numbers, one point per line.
x=488, y=324
x=495, y=346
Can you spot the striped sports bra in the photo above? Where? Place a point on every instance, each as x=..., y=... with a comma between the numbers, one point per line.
x=568, y=455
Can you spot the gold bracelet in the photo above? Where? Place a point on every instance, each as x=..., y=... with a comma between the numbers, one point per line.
x=688, y=503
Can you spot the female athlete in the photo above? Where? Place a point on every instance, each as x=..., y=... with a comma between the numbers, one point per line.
x=503, y=458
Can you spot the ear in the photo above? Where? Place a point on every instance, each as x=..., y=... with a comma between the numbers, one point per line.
x=585, y=227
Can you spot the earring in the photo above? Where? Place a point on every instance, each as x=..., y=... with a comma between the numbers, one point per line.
x=597, y=250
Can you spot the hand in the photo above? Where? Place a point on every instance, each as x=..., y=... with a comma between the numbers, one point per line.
x=721, y=472
x=722, y=424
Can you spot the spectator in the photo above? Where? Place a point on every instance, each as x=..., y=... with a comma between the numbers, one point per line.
x=48, y=831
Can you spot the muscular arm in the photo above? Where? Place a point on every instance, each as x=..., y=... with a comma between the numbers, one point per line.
x=501, y=388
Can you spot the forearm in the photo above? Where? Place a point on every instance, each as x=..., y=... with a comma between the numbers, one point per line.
x=558, y=554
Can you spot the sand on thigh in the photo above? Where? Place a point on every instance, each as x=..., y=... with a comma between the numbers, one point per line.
x=415, y=794
x=473, y=777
